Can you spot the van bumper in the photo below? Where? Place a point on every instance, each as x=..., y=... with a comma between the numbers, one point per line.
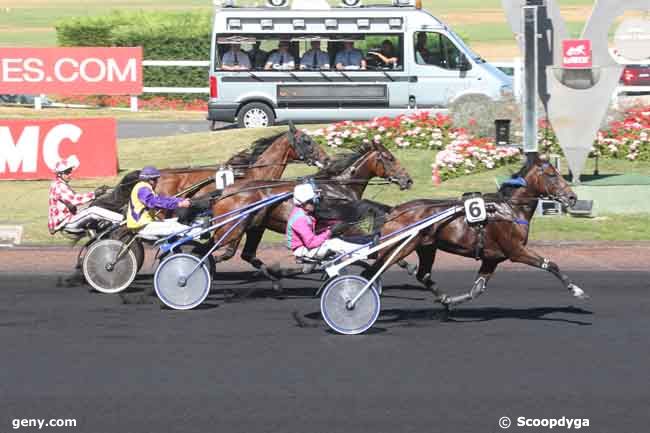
x=222, y=113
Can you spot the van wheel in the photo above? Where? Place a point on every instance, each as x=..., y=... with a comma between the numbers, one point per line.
x=255, y=115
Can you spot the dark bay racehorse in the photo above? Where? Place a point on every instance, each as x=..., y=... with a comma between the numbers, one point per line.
x=345, y=180
x=503, y=237
x=267, y=158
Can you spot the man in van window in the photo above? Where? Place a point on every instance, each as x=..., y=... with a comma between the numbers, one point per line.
x=422, y=53
x=258, y=56
x=315, y=58
x=235, y=59
x=384, y=57
x=281, y=59
x=350, y=57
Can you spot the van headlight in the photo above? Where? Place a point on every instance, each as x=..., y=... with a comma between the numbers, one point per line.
x=506, y=91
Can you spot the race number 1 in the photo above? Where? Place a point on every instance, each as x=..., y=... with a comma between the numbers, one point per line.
x=475, y=210
x=224, y=178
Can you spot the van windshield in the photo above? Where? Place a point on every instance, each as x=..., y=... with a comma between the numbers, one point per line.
x=309, y=52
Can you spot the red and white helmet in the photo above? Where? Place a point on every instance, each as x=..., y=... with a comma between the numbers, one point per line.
x=70, y=163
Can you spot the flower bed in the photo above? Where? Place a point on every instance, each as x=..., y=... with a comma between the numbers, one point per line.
x=625, y=139
x=458, y=152
x=153, y=103
x=467, y=155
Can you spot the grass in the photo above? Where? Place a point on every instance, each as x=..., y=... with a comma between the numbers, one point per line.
x=26, y=202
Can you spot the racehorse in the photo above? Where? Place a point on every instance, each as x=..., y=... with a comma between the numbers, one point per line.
x=344, y=180
x=267, y=158
x=504, y=236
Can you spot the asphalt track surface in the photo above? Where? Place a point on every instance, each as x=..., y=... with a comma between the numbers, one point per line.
x=161, y=128
x=249, y=362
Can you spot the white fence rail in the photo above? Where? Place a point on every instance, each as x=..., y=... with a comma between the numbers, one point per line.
x=516, y=65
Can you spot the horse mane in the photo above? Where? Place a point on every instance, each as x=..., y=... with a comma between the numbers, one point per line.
x=506, y=191
x=250, y=156
x=342, y=161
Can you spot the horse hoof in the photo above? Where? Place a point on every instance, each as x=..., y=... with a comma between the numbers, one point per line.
x=578, y=292
x=276, y=286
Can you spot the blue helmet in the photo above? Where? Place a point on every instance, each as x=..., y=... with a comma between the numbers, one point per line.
x=149, y=172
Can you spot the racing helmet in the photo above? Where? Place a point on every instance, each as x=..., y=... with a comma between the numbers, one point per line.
x=304, y=193
x=67, y=165
x=148, y=173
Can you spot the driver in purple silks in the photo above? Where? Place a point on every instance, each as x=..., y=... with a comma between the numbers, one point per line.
x=143, y=206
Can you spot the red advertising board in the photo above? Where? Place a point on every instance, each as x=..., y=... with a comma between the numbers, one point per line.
x=71, y=71
x=576, y=53
x=29, y=149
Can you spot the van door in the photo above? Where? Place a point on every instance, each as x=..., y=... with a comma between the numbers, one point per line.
x=438, y=67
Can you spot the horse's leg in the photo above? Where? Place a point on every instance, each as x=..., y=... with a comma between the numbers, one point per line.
x=531, y=258
x=480, y=284
x=410, y=268
x=426, y=258
x=249, y=253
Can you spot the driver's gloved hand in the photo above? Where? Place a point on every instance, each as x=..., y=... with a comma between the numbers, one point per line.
x=101, y=190
x=338, y=229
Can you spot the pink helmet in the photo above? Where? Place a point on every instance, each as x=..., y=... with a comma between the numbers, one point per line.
x=70, y=163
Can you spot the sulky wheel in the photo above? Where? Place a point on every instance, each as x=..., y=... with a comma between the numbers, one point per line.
x=182, y=282
x=104, y=271
x=125, y=235
x=334, y=305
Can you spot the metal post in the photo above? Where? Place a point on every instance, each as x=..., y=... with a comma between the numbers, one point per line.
x=38, y=102
x=134, y=104
x=531, y=78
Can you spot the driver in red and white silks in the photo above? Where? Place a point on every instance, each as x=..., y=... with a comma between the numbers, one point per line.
x=301, y=236
x=64, y=202
x=145, y=203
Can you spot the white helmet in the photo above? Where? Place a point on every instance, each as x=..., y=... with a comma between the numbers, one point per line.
x=303, y=193
x=70, y=163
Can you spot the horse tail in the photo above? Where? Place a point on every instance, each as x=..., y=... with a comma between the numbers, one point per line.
x=119, y=196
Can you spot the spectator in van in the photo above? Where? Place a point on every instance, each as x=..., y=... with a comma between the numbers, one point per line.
x=281, y=59
x=235, y=59
x=384, y=57
x=350, y=57
x=422, y=54
x=315, y=58
x=258, y=56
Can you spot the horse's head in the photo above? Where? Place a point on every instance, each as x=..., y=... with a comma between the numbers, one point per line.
x=305, y=149
x=384, y=164
x=543, y=180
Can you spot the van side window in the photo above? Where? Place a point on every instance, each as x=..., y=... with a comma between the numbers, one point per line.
x=436, y=49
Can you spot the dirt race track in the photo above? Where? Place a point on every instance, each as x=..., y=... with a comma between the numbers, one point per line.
x=248, y=361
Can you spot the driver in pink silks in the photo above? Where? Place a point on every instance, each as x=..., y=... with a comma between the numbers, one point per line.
x=301, y=236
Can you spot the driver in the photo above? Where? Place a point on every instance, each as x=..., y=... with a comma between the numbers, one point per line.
x=64, y=202
x=145, y=204
x=301, y=236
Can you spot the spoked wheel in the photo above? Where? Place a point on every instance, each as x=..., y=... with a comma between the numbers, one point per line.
x=124, y=235
x=334, y=305
x=104, y=271
x=354, y=270
x=176, y=285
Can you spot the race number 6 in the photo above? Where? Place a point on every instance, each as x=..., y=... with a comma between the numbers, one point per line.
x=475, y=210
x=224, y=178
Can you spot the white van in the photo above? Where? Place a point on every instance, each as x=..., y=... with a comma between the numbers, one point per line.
x=313, y=62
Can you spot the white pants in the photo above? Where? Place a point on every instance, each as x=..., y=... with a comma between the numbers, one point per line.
x=330, y=246
x=94, y=213
x=161, y=229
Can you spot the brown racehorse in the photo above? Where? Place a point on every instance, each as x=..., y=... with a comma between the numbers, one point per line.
x=266, y=159
x=344, y=180
x=503, y=237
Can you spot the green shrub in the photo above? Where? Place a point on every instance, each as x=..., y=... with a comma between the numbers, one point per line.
x=163, y=36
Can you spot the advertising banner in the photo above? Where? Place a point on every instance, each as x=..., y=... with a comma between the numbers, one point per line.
x=71, y=71
x=29, y=149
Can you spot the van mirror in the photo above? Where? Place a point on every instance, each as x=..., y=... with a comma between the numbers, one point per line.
x=464, y=64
